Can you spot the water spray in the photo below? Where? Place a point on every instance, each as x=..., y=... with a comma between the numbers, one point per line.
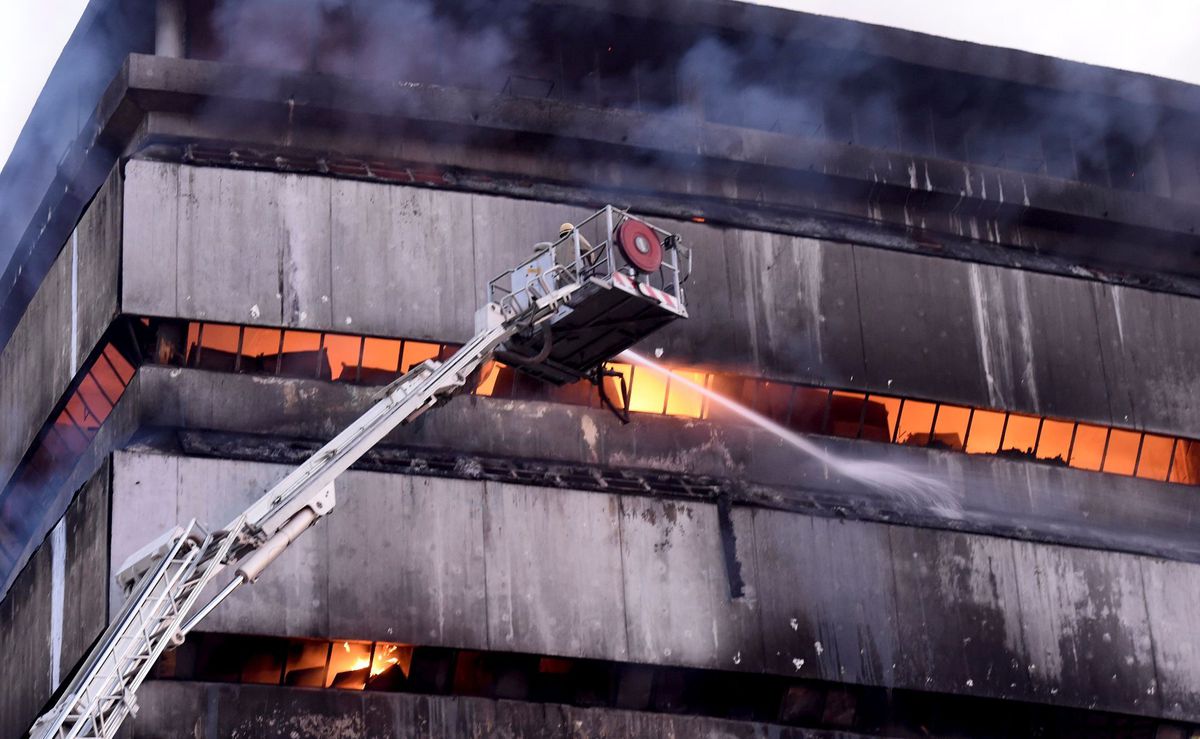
x=913, y=487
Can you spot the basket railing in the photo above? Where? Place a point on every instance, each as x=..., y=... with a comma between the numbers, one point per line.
x=575, y=258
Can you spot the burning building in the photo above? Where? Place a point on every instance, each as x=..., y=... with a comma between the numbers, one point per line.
x=228, y=224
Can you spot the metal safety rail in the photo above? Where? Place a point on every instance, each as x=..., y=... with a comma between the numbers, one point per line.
x=587, y=251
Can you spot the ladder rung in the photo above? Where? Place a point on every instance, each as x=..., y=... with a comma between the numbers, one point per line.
x=193, y=580
x=212, y=552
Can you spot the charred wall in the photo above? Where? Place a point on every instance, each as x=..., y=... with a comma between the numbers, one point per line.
x=678, y=164
x=589, y=574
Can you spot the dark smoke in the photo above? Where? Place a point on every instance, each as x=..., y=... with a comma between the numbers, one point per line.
x=106, y=33
x=827, y=85
x=398, y=40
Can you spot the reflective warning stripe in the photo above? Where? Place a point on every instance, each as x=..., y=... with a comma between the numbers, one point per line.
x=625, y=282
x=667, y=299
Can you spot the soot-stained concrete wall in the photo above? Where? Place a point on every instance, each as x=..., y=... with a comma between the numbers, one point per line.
x=35, y=366
x=589, y=574
x=186, y=710
x=26, y=621
x=311, y=252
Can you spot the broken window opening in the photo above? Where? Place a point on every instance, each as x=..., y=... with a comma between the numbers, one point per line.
x=810, y=408
x=806, y=409
x=1155, y=459
x=1054, y=441
x=772, y=400
x=306, y=663
x=416, y=352
x=300, y=355
x=1185, y=463
x=915, y=425
x=380, y=360
x=985, y=432
x=685, y=401
x=950, y=427
x=846, y=410
x=260, y=350
x=881, y=418
x=1020, y=435
x=218, y=347
x=83, y=416
x=342, y=355
x=349, y=665
x=1122, y=453
x=1087, y=451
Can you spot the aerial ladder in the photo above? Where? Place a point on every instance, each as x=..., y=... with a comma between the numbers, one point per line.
x=559, y=316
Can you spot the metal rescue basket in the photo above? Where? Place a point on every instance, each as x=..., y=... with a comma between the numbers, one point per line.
x=631, y=276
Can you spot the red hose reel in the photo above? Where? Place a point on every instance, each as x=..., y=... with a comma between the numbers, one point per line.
x=640, y=246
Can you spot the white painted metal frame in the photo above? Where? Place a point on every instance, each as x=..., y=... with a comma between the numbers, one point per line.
x=102, y=694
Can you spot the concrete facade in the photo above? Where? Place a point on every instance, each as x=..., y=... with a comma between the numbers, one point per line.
x=852, y=252
x=652, y=591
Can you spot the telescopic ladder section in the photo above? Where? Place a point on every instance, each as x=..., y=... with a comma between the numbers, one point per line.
x=587, y=292
x=156, y=614
x=102, y=693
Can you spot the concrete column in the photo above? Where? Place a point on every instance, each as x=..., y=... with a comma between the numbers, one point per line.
x=170, y=33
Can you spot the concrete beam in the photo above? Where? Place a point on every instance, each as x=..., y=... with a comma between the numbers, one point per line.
x=941, y=198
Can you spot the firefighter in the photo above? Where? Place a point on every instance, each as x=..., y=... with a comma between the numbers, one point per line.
x=590, y=256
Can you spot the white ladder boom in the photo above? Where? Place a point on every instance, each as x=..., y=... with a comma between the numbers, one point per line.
x=168, y=578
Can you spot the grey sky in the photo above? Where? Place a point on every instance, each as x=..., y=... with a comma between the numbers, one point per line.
x=32, y=34
x=1160, y=37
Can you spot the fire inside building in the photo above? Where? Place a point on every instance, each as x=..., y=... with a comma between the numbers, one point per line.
x=906, y=443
